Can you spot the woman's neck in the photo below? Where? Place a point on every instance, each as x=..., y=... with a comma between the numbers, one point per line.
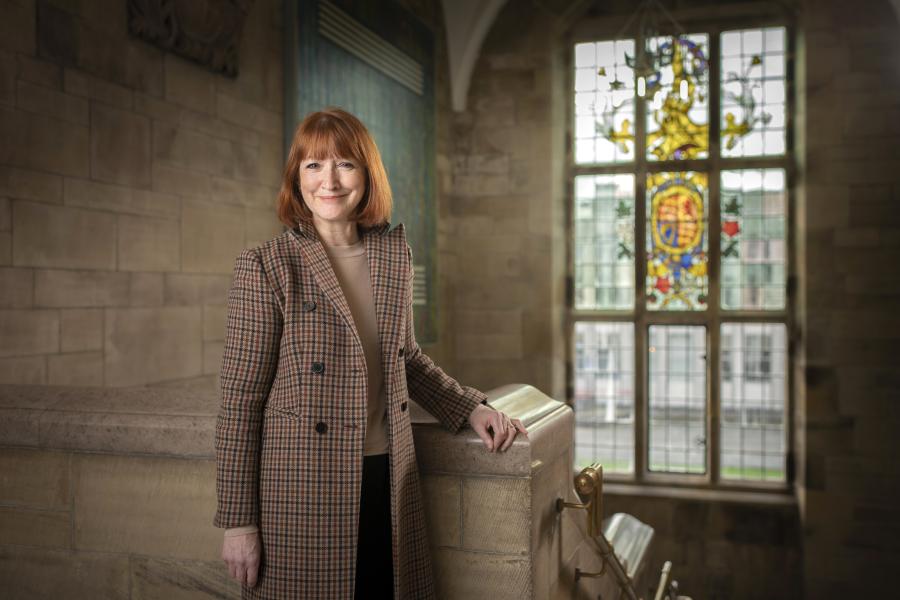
x=341, y=233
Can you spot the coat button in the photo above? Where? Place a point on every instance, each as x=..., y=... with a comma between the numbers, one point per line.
x=308, y=305
x=318, y=367
x=321, y=427
x=400, y=353
x=403, y=406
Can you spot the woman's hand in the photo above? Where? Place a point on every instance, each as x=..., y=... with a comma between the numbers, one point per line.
x=242, y=554
x=495, y=428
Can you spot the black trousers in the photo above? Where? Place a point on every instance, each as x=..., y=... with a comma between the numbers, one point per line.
x=374, y=556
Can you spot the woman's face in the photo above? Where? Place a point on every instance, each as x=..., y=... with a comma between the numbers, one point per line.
x=332, y=187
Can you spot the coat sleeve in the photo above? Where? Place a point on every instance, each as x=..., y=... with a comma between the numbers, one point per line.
x=249, y=363
x=434, y=390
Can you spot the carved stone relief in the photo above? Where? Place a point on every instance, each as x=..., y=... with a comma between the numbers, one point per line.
x=205, y=31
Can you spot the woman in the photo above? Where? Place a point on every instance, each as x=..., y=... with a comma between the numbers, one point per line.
x=316, y=474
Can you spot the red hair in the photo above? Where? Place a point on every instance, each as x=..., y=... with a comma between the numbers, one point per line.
x=335, y=133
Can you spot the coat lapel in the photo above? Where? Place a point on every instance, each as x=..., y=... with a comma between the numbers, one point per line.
x=316, y=260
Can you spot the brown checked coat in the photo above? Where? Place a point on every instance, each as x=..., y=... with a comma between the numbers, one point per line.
x=290, y=432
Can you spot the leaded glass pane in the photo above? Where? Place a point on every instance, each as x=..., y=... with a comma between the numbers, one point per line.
x=753, y=393
x=677, y=83
x=604, y=102
x=677, y=253
x=753, y=92
x=604, y=395
x=677, y=398
x=604, y=242
x=754, y=259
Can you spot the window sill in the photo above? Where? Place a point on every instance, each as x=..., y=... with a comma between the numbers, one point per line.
x=762, y=497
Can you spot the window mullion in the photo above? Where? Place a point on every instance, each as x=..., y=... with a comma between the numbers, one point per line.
x=641, y=373
x=713, y=447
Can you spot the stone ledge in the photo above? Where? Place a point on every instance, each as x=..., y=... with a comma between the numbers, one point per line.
x=164, y=421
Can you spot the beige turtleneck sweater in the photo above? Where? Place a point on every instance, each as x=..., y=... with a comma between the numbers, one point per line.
x=351, y=266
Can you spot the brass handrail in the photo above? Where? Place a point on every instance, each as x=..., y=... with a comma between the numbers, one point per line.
x=589, y=487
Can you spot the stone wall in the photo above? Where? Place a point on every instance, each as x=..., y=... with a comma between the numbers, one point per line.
x=851, y=225
x=129, y=181
x=504, y=210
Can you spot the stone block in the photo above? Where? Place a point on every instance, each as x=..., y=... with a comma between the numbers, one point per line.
x=157, y=109
x=22, y=370
x=47, y=101
x=80, y=329
x=163, y=579
x=49, y=574
x=44, y=143
x=183, y=290
x=213, y=322
x=120, y=199
x=189, y=84
x=41, y=72
x=212, y=125
x=496, y=515
x=16, y=288
x=34, y=479
x=123, y=433
x=28, y=527
x=79, y=368
x=146, y=289
x=145, y=345
x=249, y=115
x=242, y=193
x=120, y=146
x=5, y=214
x=488, y=346
x=271, y=160
x=8, y=74
x=460, y=575
x=24, y=332
x=56, y=236
x=17, y=28
x=183, y=182
x=262, y=226
x=147, y=244
x=6, y=248
x=210, y=238
x=442, y=495
x=72, y=289
x=147, y=506
x=192, y=150
x=244, y=162
x=79, y=83
x=126, y=61
x=212, y=357
x=31, y=185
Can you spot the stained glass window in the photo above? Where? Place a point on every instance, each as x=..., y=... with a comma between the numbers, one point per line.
x=706, y=243
x=678, y=98
x=677, y=245
x=754, y=356
x=604, y=102
x=753, y=121
x=677, y=394
x=604, y=395
x=753, y=209
x=604, y=242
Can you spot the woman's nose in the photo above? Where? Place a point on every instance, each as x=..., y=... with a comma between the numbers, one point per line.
x=331, y=177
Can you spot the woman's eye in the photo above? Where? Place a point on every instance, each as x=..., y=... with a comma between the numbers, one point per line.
x=348, y=165
x=312, y=165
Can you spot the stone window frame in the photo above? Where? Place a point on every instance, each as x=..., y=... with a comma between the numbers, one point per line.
x=711, y=21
